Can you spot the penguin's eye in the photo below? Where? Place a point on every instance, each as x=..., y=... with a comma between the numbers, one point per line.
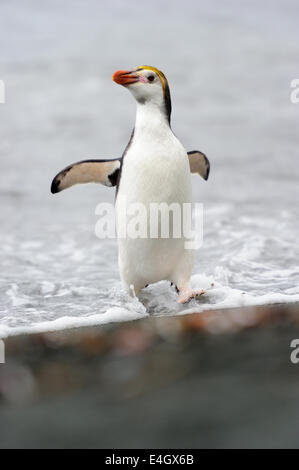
x=151, y=78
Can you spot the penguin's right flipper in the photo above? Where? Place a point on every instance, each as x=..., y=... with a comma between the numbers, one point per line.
x=87, y=171
x=199, y=163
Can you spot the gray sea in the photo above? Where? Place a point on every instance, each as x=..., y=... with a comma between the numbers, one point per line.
x=230, y=66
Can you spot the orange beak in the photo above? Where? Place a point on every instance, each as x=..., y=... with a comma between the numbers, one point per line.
x=124, y=77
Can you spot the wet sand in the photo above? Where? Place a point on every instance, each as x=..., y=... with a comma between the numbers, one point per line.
x=216, y=379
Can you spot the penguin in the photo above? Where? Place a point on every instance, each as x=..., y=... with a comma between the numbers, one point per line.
x=154, y=168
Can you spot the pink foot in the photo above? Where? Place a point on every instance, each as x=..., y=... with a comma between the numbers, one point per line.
x=186, y=294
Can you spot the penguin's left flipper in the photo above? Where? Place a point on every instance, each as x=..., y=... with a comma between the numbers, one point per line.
x=199, y=163
x=87, y=171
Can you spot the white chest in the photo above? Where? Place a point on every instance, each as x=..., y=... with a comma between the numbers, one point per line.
x=156, y=169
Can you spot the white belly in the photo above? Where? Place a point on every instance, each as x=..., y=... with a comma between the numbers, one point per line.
x=154, y=174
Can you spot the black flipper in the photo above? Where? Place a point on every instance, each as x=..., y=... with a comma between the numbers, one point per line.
x=87, y=171
x=199, y=163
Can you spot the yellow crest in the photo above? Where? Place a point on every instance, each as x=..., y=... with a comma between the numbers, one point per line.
x=160, y=74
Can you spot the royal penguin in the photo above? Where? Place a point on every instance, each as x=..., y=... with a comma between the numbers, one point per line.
x=155, y=169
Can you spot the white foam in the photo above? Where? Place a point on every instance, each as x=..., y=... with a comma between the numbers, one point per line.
x=112, y=315
x=162, y=300
x=47, y=287
x=17, y=300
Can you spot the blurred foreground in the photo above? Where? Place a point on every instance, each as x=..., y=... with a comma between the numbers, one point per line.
x=218, y=379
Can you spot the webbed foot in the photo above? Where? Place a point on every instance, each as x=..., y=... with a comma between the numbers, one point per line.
x=186, y=294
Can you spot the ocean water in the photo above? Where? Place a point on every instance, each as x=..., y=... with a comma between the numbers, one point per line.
x=229, y=67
